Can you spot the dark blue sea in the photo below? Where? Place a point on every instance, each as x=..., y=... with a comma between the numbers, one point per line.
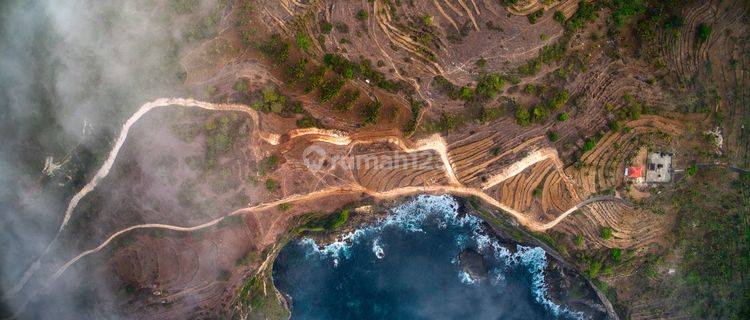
x=407, y=266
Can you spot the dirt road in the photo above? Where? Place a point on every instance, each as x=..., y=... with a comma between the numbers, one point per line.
x=435, y=143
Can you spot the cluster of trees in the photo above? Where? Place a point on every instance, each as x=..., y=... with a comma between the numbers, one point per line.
x=347, y=100
x=318, y=78
x=447, y=122
x=488, y=87
x=659, y=14
x=624, y=10
x=219, y=138
x=632, y=109
x=245, y=23
x=547, y=54
x=541, y=111
x=362, y=70
x=586, y=12
x=411, y=126
x=275, y=48
x=371, y=112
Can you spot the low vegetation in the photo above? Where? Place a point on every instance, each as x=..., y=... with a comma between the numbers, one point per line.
x=329, y=223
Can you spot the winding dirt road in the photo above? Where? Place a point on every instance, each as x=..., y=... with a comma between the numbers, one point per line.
x=435, y=143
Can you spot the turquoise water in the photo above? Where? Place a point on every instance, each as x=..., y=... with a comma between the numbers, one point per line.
x=407, y=266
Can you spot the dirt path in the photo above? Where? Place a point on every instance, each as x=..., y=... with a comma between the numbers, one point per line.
x=435, y=143
x=580, y=205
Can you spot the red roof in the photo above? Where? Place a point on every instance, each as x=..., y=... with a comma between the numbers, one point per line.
x=635, y=172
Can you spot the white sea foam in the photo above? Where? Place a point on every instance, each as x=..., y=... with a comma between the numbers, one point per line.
x=498, y=278
x=466, y=278
x=377, y=249
x=410, y=217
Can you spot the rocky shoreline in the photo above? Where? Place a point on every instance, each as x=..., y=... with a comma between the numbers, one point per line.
x=566, y=286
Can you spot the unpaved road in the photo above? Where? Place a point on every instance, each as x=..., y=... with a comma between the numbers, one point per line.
x=434, y=143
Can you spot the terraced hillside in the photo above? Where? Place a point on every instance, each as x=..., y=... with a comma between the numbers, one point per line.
x=303, y=110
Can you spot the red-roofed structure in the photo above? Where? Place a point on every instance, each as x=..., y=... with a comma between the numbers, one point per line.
x=634, y=172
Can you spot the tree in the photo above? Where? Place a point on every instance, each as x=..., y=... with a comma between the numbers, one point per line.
x=588, y=145
x=703, y=32
x=465, y=93
x=371, y=112
x=562, y=117
x=606, y=233
x=275, y=48
x=523, y=117
x=552, y=136
x=534, y=16
x=362, y=15
x=490, y=85
x=559, y=99
x=559, y=17
x=270, y=185
x=540, y=113
x=330, y=89
x=303, y=41
x=326, y=27
x=616, y=254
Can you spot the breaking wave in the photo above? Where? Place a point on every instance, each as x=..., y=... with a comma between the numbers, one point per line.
x=443, y=210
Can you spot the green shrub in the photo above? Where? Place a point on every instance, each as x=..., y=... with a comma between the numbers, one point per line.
x=328, y=224
x=616, y=254
x=606, y=233
x=488, y=114
x=347, y=100
x=539, y=113
x=326, y=27
x=275, y=48
x=330, y=89
x=531, y=67
x=523, y=117
x=588, y=145
x=271, y=185
x=446, y=87
x=303, y=41
x=595, y=266
x=371, y=112
x=579, y=240
x=623, y=10
x=586, y=12
x=562, y=117
x=559, y=99
x=465, y=93
x=559, y=17
x=362, y=15
x=703, y=32
x=314, y=79
x=534, y=16
x=296, y=72
x=307, y=121
x=490, y=85
x=411, y=126
x=553, y=136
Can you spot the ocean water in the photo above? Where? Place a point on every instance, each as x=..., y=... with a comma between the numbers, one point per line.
x=407, y=266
